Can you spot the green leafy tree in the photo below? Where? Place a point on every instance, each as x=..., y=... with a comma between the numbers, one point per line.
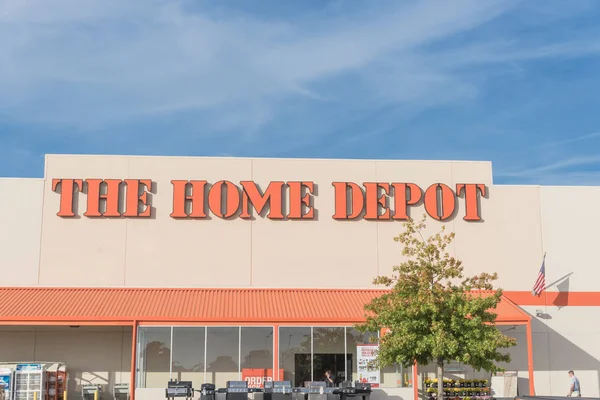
x=430, y=312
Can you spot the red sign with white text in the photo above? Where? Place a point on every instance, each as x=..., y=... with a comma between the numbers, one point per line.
x=256, y=377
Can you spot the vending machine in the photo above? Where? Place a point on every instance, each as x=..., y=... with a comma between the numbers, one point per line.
x=29, y=382
x=6, y=383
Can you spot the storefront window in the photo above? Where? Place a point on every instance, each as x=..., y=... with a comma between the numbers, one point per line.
x=257, y=355
x=354, y=339
x=329, y=353
x=188, y=354
x=396, y=376
x=222, y=355
x=295, y=354
x=154, y=346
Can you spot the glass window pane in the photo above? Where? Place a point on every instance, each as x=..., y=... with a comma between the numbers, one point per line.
x=355, y=338
x=222, y=355
x=294, y=354
x=329, y=354
x=257, y=355
x=395, y=376
x=154, y=357
x=188, y=354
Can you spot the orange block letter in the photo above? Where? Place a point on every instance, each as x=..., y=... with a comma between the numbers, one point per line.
x=440, y=201
x=472, y=191
x=224, y=192
x=273, y=195
x=67, y=191
x=111, y=197
x=297, y=201
x=180, y=198
x=374, y=201
x=405, y=194
x=341, y=200
x=135, y=199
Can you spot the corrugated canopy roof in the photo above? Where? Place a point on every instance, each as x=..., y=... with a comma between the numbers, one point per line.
x=45, y=305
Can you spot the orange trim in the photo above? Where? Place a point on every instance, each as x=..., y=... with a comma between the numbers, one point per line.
x=122, y=306
x=515, y=322
x=190, y=289
x=170, y=321
x=560, y=299
x=132, y=378
x=238, y=321
x=324, y=321
x=64, y=322
x=303, y=323
x=530, y=359
x=415, y=380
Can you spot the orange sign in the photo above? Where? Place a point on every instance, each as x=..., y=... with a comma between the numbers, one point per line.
x=279, y=201
x=256, y=377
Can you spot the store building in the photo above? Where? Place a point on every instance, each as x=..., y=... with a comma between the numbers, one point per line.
x=216, y=269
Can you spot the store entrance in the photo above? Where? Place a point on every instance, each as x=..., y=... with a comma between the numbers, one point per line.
x=321, y=363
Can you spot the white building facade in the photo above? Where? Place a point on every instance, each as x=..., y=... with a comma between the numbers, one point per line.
x=208, y=269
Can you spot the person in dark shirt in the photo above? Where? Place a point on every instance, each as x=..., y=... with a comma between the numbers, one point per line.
x=328, y=379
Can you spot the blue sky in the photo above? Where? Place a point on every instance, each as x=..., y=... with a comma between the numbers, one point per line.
x=513, y=82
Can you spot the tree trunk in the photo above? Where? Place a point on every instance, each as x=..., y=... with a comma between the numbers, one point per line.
x=440, y=378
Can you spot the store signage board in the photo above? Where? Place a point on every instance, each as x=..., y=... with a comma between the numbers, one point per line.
x=279, y=200
x=29, y=367
x=365, y=354
x=256, y=377
x=6, y=378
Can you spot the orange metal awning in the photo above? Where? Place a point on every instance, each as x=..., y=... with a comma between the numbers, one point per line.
x=132, y=306
x=508, y=312
x=41, y=304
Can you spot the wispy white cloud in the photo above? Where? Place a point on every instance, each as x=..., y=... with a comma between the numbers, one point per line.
x=563, y=142
x=563, y=164
x=88, y=65
x=546, y=169
x=93, y=63
x=96, y=62
x=510, y=52
x=572, y=178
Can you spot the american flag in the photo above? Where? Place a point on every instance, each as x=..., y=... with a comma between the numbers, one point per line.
x=540, y=282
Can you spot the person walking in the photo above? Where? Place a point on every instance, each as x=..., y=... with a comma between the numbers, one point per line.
x=575, y=389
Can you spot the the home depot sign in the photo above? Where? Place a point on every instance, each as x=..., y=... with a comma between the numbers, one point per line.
x=277, y=201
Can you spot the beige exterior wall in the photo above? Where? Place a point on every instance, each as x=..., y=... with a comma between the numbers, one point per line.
x=570, y=221
x=134, y=252
x=20, y=230
x=566, y=339
x=520, y=224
